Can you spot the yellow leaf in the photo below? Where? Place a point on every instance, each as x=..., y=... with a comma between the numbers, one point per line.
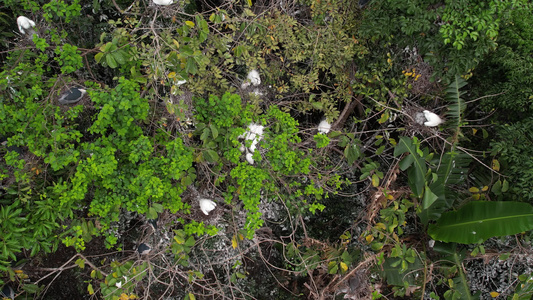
x=93, y=274
x=90, y=289
x=344, y=267
x=369, y=238
x=171, y=75
x=189, y=23
x=123, y=296
x=380, y=226
x=375, y=180
x=495, y=165
x=176, y=43
x=474, y=131
x=234, y=242
x=485, y=188
x=191, y=296
x=494, y=294
x=473, y=190
x=250, y=3
x=179, y=239
x=476, y=196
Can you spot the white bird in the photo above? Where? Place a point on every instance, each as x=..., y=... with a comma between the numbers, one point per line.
x=432, y=119
x=250, y=158
x=163, y=2
x=254, y=133
x=207, y=205
x=25, y=24
x=253, y=78
x=324, y=127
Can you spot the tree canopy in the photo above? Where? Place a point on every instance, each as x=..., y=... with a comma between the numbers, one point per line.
x=231, y=149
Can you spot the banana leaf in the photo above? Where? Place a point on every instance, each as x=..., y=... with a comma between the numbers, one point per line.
x=480, y=220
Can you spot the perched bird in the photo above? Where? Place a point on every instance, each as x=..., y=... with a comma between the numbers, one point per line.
x=73, y=95
x=250, y=158
x=432, y=119
x=324, y=127
x=253, y=78
x=26, y=25
x=163, y=2
x=207, y=205
x=254, y=133
x=144, y=249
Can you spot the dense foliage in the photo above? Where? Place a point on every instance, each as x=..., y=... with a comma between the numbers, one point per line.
x=222, y=101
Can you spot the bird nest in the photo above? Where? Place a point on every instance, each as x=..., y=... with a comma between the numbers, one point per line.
x=414, y=121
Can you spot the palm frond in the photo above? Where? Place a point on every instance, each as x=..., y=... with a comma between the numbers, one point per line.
x=456, y=105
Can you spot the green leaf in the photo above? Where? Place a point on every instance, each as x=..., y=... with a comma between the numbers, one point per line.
x=111, y=62
x=214, y=130
x=457, y=105
x=80, y=262
x=152, y=213
x=429, y=198
x=191, y=66
x=414, y=162
x=477, y=221
x=98, y=57
x=31, y=288
x=158, y=207
x=352, y=153
x=119, y=57
x=211, y=156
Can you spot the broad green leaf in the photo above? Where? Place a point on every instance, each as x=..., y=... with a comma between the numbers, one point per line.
x=98, y=57
x=191, y=66
x=152, y=213
x=414, y=163
x=477, y=221
x=110, y=60
x=429, y=198
x=158, y=207
x=352, y=153
x=211, y=156
x=214, y=131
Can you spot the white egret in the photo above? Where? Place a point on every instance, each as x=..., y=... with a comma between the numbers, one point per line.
x=432, y=119
x=163, y=2
x=252, y=78
x=250, y=158
x=207, y=205
x=26, y=25
x=324, y=127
